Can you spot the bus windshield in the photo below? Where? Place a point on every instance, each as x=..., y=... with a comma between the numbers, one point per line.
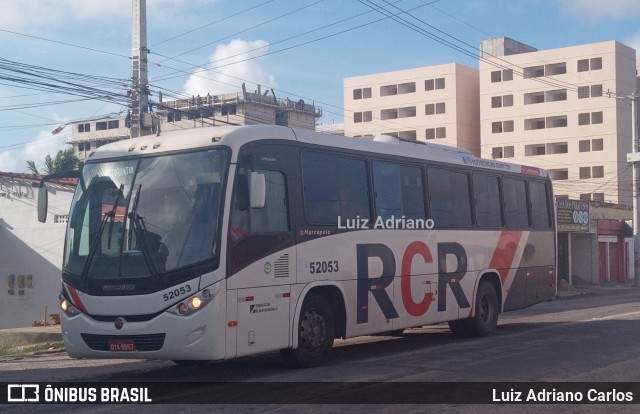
x=145, y=217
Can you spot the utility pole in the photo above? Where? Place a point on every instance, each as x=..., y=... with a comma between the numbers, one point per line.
x=140, y=76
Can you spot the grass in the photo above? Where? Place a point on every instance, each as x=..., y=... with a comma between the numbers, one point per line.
x=29, y=349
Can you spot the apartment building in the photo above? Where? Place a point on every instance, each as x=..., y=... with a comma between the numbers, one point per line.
x=557, y=109
x=434, y=103
x=89, y=134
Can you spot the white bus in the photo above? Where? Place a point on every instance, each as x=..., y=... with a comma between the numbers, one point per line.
x=220, y=242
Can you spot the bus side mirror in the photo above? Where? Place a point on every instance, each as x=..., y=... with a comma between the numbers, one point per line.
x=43, y=201
x=257, y=190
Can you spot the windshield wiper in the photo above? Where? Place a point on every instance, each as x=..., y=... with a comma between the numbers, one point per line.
x=109, y=215
x=138, y=226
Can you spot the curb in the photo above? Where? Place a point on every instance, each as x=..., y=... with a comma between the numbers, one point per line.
x=14, y=338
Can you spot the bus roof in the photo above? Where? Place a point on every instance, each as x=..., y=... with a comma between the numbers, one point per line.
x=234, y=137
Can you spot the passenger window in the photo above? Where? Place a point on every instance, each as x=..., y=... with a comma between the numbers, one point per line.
x=398, y=191
x=334, y=187
x=449, y=198
x=539, y=205
x=515, y=203
x=486, y=192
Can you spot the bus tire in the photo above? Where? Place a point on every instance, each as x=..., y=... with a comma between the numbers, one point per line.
x=485, y=320
x=316, y=331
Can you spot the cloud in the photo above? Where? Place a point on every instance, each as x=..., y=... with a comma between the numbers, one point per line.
x=230, y=78
x=594, y=10
x=15, y=160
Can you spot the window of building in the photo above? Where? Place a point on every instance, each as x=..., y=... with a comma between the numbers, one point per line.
x=357, y=117
x=515, y=202
x=500, y=101
x=585, y=197
x=597, y=197
x=407, y=112
x=502, y=152
x=101, y=126
x=398, y=191
x=496, y=152
x=334, y=186
x=557, y=148
x=389, y=114
x=596, y=117
x=584, y=145
x=432, y=84
x=583, y=65
x=596, y=63
x=597, y=144
x=408, y=87
x=534, y=149
x=584, y=118
x=367, y=116
x=357, y=94
x=449, y=198
x=408, y=135
x=556, y=121
x=555, y=69
x=596, y=90
x=432, y=133
x=556, y=95
x=533, y=72
x=501, y=75
x=84, y=127
x=486, y=190
x=585, y=172
x=559, y=174
x=440, y=108
x=441, y=132
x=597, y=171
x=113, y=124
x=361, y=93
x=509, y=151
x=502, y=126
x=533, y=98
x=534, y=123
x=583, y=92
x=388, y=90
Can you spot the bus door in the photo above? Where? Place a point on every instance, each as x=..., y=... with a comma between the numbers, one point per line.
x=261, y=250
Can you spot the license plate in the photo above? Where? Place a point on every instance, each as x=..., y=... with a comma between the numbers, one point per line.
x=122, y=345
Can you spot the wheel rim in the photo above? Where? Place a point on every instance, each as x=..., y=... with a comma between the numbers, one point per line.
x=485, y=309
x=313, y=329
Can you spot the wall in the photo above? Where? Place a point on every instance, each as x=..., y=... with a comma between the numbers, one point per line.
x=31, y=251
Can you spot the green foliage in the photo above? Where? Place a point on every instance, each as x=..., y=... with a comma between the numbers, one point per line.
x=65, y=160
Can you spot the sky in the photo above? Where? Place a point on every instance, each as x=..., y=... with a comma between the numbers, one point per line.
x=301, y=49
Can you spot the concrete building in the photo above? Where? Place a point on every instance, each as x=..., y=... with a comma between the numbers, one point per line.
x=87, y=135
x=30, y=251
x=556, y=109
x=439, y=103
x=243, y=108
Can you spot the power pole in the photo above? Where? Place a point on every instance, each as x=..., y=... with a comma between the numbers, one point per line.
x=140, y=75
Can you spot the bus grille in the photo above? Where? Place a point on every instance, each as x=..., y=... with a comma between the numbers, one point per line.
x=144, y=343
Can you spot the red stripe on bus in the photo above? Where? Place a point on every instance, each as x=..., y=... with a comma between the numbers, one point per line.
x=505, y=253
x=76, y=299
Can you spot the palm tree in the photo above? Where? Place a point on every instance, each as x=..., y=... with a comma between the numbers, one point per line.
x=65, y=160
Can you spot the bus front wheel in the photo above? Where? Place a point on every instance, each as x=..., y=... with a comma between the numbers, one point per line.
x=316, y=330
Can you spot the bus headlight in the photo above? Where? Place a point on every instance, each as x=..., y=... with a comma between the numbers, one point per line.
x=68, y=308
x=192, y=304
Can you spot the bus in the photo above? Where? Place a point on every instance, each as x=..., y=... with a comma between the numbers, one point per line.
x=221, y=242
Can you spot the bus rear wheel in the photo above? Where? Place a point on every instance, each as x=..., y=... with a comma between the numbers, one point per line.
x=485, y=320
x=316, y=331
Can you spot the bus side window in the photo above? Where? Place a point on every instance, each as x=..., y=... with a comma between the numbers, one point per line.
x=538, y=196
x=449, y=198
x=334, y=187
x=398, y=191
x=515, y=203
x=488, y=208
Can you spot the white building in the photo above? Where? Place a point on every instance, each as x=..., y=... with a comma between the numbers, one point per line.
x=556, y=109
x=30, y=251
x=87, y=135
x=437, y=103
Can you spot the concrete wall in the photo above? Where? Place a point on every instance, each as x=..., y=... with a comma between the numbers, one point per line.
x=584, y=258
x=30, y=254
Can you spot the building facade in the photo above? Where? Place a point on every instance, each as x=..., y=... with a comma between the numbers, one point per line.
x=433, y=103
x=87, y=135
x=30, y=251
x=557, y=109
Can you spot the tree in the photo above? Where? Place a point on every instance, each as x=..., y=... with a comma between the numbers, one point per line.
x=65, y=160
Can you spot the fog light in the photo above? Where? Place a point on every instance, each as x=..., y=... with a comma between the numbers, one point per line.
x=183, y=308
x=195, y=302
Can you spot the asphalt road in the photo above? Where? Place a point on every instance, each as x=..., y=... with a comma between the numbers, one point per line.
x=593, y=338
